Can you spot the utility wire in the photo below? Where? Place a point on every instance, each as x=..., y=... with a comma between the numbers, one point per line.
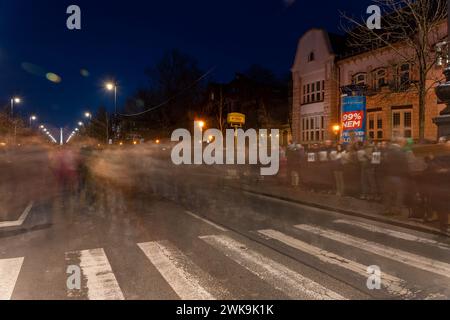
x=171, y=98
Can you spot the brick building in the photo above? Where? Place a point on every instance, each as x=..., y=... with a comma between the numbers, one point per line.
x=325, y=69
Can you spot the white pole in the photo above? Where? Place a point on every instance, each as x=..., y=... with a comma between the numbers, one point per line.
x=61, y=137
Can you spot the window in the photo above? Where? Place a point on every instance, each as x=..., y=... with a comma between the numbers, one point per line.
x=314, y=92
x=379, y=78
x=313, y=128
x=375, y=125
x=311, y=56
x=403, y=76
x=402, y=124
x=359, y=79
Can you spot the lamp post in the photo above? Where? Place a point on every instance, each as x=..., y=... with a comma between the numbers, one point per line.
x=32, y=118
x=14, y=100
x=112, y=86
x=443, y=90
x=336, y=130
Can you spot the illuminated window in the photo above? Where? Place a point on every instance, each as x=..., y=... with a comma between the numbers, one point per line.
x=402, y=124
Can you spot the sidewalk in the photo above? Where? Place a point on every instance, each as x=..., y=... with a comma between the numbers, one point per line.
x=346, y=205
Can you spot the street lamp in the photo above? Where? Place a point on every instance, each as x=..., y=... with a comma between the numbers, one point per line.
x=32, y=118
x=336, y=129
x=112, y=86
x=80, y=124
x=201, y=124
x=88, y=115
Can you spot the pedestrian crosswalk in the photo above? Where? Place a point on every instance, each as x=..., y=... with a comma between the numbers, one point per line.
x=98, y=274
x=9, y=271
x=178, y=270
x=189, y=279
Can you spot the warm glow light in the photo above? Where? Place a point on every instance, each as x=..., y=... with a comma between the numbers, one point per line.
x=157, y=141
x=109, y=86
x=135, y=142
x=336, y=128
x=201, y=124
x=87, y=114
x=17, y=100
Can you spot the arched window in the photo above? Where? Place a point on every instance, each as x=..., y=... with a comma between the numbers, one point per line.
x=359, y=79
x=379, y=78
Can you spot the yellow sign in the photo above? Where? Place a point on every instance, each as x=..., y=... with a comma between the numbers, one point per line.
x=236, y=118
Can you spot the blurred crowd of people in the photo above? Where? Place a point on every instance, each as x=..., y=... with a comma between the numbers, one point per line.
x=387, y=172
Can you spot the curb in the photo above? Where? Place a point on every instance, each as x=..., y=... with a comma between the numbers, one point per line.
x=353, y=213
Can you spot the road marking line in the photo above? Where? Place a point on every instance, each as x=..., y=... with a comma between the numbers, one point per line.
x=101, y=283
x=9, y=272
x=206, y=221
x=178, y=270
x=393, y=233
x=392, y=284
x=20, y=221
x=282, y=278
x=416, y=261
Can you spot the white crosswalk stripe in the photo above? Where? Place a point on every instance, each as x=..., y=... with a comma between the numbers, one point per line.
x=101, y=283
x=186, y=279
x=393, y=233
x=206, y=221
x=288, y=281
x=392, y=284
x=411, y=259
x=9, y=272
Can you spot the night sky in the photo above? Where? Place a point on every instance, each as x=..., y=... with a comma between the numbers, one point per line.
x=119, y=39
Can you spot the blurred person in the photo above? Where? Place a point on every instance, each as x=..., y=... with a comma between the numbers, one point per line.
x=395, y=169
x=65, y=169
x=368, y=183
x=438, y=176
x=338, y=171
x=293, y=163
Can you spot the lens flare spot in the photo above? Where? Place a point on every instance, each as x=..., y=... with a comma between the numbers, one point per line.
x=33, y=69
x=53, y=77
x=84, y=73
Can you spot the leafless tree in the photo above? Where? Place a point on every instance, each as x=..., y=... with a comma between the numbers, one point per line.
x=410, y=29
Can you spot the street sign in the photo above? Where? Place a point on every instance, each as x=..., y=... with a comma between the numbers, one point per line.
x=236, y=119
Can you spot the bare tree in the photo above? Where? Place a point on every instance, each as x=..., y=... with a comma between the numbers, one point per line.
x=411, y=29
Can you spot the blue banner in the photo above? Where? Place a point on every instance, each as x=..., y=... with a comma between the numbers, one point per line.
x=353, y=119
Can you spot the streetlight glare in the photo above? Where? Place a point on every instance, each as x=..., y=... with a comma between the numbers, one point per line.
x=201, y=124
x=109, y=86
x=80, y=123
x=87, y=114
x=17, y=100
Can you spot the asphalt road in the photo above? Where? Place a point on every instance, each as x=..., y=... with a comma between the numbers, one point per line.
x=177, y=234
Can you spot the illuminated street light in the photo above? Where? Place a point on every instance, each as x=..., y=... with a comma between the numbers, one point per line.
x=14, y=100
x=201, y=124
x=112, y=86
x=87, y=115
x=80, y=124
x=32, y=118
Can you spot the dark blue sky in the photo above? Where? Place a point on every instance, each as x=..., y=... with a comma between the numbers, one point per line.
x=119, y=39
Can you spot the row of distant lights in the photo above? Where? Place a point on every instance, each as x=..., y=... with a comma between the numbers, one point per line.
x=46, y=132
x=110, y=86
x=17, y=100
x=80, y=124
